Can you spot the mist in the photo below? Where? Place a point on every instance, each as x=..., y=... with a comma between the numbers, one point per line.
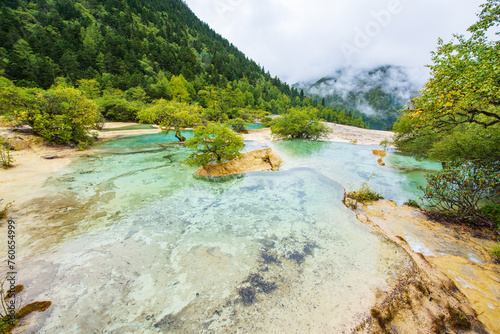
x=300, y=41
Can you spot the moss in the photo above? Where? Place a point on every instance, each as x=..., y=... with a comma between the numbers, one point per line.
x=6, y=325
x=17, y=290
x=33, y=307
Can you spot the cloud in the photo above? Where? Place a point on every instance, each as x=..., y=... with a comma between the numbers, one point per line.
x=300, y=40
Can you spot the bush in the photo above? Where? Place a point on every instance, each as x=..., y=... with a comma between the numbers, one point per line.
x=61, y=115
x=364, y=194
x=412, y=203
x=495, y=251
x=492, y=212
x=266, y=122
x=171, y=115
x=237, y=125
x=300, y=124
x=5, y=157
x=213, y=143
x=460, y=186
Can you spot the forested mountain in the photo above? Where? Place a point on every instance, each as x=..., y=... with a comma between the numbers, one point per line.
x=375, y=94
x=126, y=54
x=123, y=43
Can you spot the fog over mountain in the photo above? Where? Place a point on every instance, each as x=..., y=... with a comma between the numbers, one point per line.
x=375, y=94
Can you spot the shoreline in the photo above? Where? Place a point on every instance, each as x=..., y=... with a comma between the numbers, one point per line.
x=453, y=275
x=32, y=149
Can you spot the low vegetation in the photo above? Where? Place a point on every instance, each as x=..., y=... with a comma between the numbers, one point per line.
x=364, y=194
x=11, y=311
x=495, y=251
x=6, y=159
x=5, y=209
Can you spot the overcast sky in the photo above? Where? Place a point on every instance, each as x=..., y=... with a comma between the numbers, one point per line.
x=302, y=40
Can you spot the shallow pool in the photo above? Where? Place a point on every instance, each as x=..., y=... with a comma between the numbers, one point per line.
x=127, y=240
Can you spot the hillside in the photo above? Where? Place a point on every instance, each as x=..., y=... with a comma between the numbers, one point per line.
x=127, y=41
x=374, y=94
x=124, y=53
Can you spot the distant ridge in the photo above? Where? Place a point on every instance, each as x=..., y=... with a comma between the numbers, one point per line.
x=374, y=94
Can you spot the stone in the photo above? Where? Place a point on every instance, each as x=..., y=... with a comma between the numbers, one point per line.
x=380, y=153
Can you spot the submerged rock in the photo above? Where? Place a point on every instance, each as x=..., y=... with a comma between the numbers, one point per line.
x=265, y=159
x=379, y=153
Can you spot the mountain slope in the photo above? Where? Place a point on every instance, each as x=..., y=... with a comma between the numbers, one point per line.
x=376, y=94
x=126, y=41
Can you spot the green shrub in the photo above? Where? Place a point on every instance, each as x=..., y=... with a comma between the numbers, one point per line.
x=5, y=157
x=460, y=186
x=266, y=122
x=364, y=194
x=492, y=212
x=61, y=115
x=412, y=203
x=237, y=125
x=3, y=212
x=495, y=251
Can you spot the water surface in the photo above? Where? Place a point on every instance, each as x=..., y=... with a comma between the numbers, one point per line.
x=128, y=240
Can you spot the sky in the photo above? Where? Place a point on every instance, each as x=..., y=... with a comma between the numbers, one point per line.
x=304, y=40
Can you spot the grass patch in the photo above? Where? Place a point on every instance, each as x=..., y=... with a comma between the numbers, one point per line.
x=495, y=251
x=412, y=203
x=364, y=194
x=3, y=212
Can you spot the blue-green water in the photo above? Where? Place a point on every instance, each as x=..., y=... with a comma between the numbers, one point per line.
x=128, y=240
x=254, y=126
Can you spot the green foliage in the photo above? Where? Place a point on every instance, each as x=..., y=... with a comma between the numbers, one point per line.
x=115, y=106
x=266, y=121
x=364, y=194
x=495, y=251
x=458, y=113
x=492, y=213
x=171, y=115
x=412, y=203
x=3, y=212
x=6, y=159
x=61, y=115
x=214, y=143
x=300, y=124
x=237, y=125
x=150, y=50
x=460, y=187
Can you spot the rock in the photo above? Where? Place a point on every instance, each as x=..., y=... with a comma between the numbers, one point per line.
x=258, y=160
x=450, y=283
x=380, y=153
